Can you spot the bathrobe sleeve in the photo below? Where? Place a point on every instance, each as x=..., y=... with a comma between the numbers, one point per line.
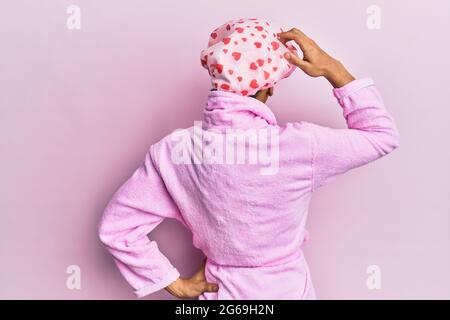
x=371, y=133
x=139, y=205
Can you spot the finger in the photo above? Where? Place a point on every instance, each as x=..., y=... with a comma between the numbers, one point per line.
x=294, y=51
x=210, y=287
x=294, y=34
x=199, y=275
x=300, y=33
x=297, y=61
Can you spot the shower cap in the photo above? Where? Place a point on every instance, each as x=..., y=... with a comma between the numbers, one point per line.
x=244, y=56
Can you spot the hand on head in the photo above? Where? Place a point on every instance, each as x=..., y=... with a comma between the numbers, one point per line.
x=315, y=62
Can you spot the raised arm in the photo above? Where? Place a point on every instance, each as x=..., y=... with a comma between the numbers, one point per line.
x=371, y=131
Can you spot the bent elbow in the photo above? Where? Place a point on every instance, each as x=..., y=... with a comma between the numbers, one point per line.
x=101, y=232
x=395, y=140
x=391, y=142
x=103, y=226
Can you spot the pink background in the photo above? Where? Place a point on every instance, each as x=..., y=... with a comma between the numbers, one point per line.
x=79, y=109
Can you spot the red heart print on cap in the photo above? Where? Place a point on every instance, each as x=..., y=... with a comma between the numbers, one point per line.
x=231, y=69
x=254, y=84
x=236, y=55
x=219, y=67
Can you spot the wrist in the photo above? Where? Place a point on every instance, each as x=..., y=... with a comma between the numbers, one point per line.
x=178, y=288
x=175, y=286
x=337, y=74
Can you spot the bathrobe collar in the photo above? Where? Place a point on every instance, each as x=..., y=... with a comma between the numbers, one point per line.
x=227, y=109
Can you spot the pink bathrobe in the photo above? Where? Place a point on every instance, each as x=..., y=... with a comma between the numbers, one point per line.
x=249, y=225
